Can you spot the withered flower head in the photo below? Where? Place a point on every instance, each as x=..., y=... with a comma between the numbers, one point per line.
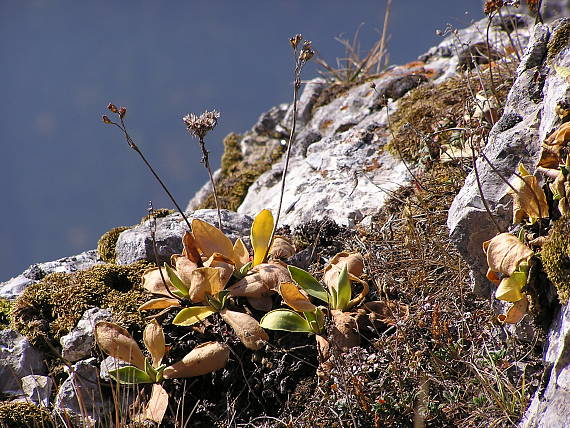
x=307, y=52
x=199, y=126
x=106, y=119
x=295, y=40
x=122, y=112
x=113, y=108
x=492, y=6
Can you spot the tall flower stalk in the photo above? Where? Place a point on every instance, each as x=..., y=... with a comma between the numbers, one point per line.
x=199, y=126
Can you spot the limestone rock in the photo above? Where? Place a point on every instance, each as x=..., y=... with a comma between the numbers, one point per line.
x=37, y=389
x=136, y=243
x=17, y=359
x=12, y=288
x=80, y=341
x=549, y=407
x=80, y=394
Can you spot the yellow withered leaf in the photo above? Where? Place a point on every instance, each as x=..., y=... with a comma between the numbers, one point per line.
x=261, y=230
x=118, y=343
x=510, y=287
x=505, y=252
x=204, y=358
x=159, y=303
x=241, y=254
x=210, y=239
x=529, y=199
x=153, y=338
x=293, y=297
x=205, y=280
x=515, y=312
x=247, y=329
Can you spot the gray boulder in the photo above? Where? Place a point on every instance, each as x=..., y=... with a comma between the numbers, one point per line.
x=80, y=341
x=37, y=389
x=12, y=288
x=17, y=359
x=136, y=243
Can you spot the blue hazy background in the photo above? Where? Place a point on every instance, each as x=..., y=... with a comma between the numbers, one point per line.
x=68, y=178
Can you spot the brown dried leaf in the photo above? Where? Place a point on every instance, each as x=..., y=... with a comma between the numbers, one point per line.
x=117, y=342
x=205, y=280
x=223, y=264
x=246, y=328
x=529, y=199
x=293, y=297
x=281, y=248
x=344, y=332
x=388, y=312
x=153, y=282
x=262, y=280
x=190, y=250
x=204, y=358
x=210, y=239
x=516, y=312
x=156, y=407
x=504, y=253
x=354, y=264
x=153, y=338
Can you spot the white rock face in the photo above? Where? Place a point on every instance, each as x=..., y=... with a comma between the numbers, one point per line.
x=80, y=341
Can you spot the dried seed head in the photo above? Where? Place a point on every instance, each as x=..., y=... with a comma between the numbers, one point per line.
x=492, y=6
x=199, y=126
x=122, y=112
x=295, y=40
x=106, y=119
x=112, y=107
x=307, y=51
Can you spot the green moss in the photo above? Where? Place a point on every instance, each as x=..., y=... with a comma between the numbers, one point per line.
x=558, y=41
x=159, y=213
x=51, y=308
x=238, y=175
x=556, y=258
x=22, y=414
x=5, y=308
x=107, y=243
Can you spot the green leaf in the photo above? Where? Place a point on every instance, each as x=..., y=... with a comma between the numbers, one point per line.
x=308, y=283
x=313, y=320
x=245, y=268
x=261, y=230
x=149, y=370
x=285, y=319
x=343, y=289
x=320, y=318
x=192, y=315
x=130, y=375
x=177, y=282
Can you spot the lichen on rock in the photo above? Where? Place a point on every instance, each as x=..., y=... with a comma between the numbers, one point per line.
x=107, y=243
x=52, y=307
x=556, y=258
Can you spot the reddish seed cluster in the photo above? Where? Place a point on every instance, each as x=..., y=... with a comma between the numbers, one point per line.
x=113, y=109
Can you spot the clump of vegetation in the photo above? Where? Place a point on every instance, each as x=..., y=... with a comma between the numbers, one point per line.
x=108, y=242
x=556, y=258
x=558, y=40
x=158, y=213
x=50, y=308
x=237, y=175
x=21, y=414
x=5, y=308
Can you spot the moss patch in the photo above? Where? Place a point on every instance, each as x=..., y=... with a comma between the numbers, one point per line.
x=556, y=258
x=426, y=111
x=159, y=213
x=5, y=308
x=107, y=243
x=238, y=175
x=51, y=308
x=558, y=41
x=24, y=415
